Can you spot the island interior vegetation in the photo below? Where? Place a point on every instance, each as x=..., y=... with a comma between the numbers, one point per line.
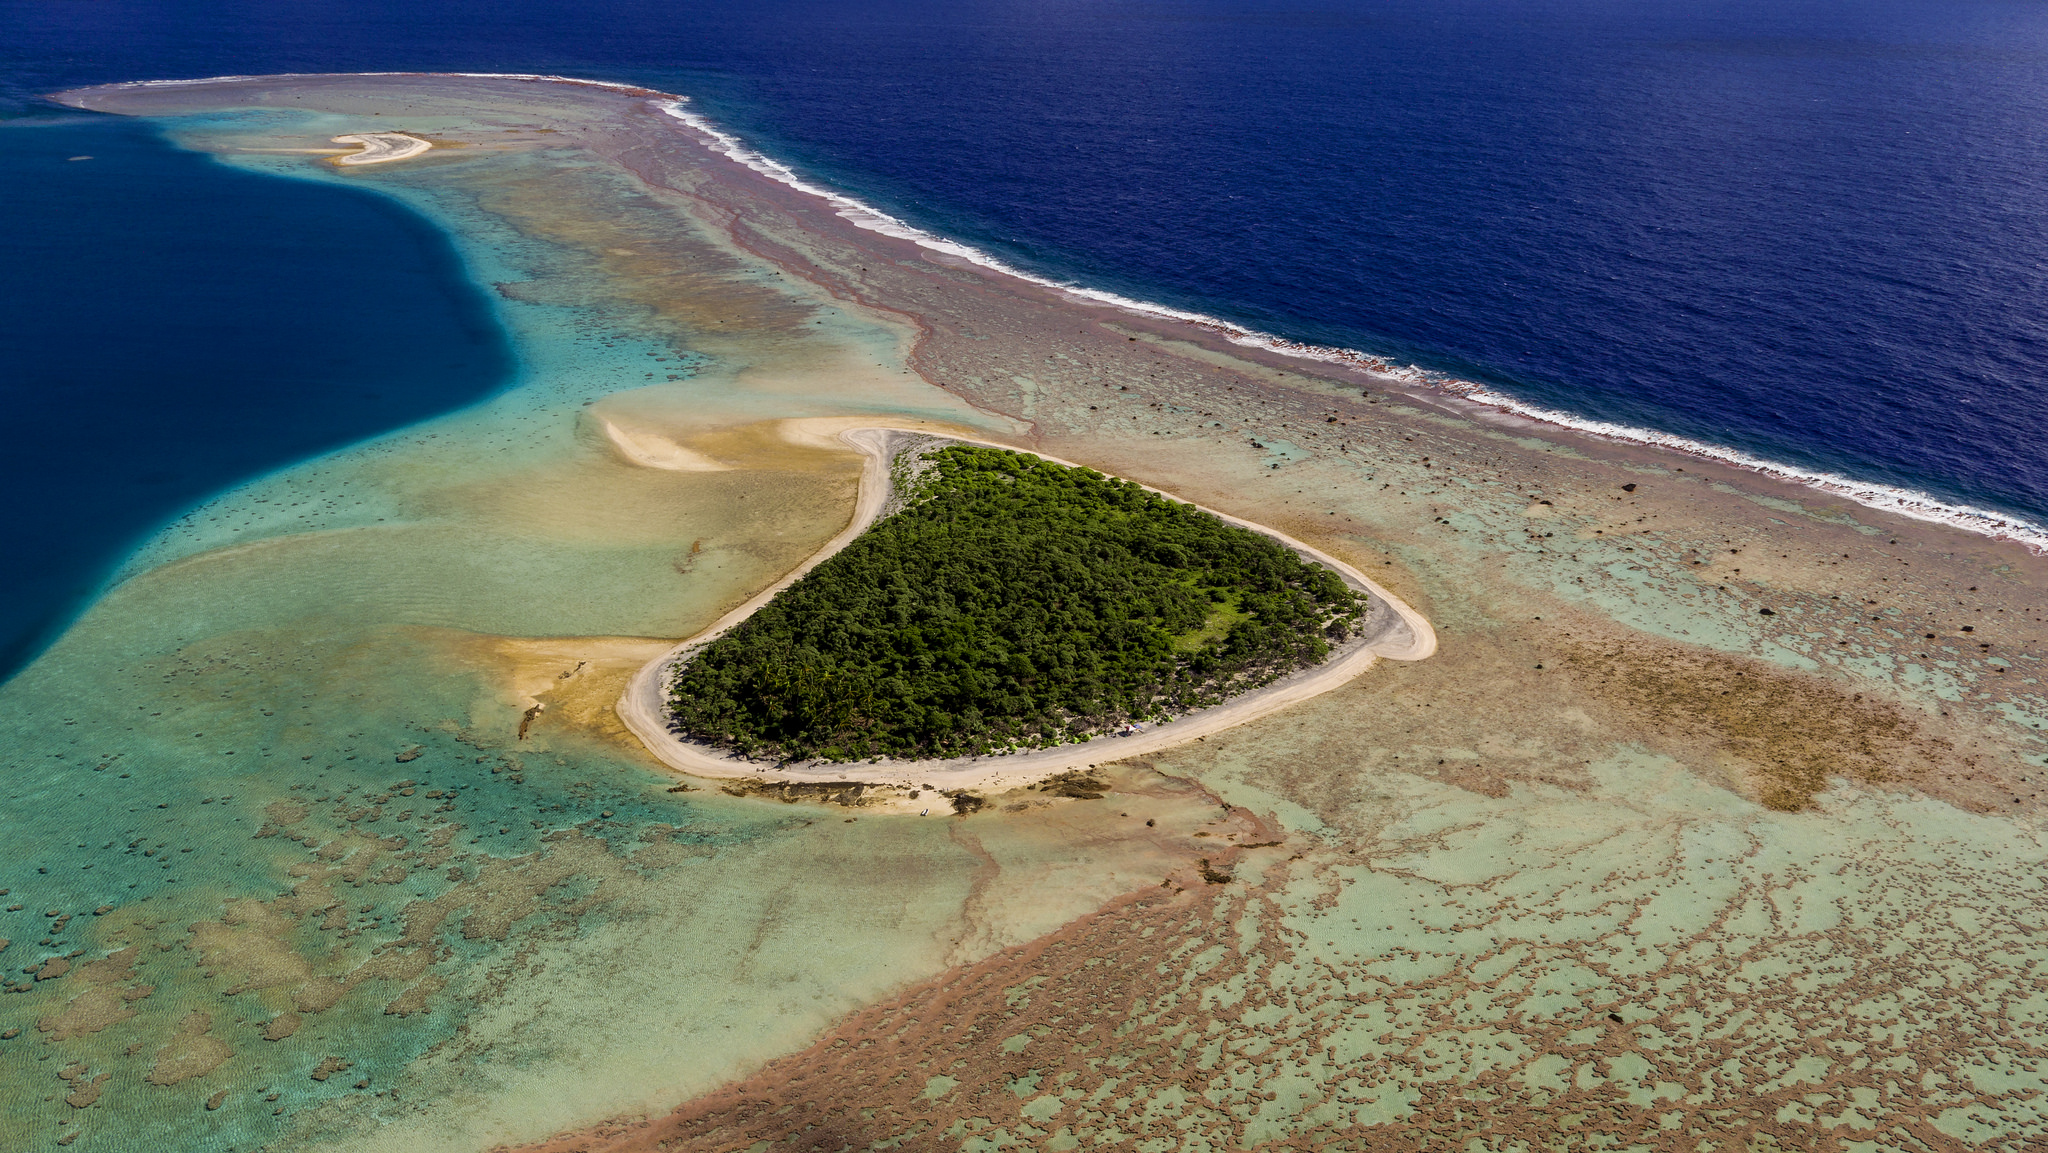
x=1009, y=603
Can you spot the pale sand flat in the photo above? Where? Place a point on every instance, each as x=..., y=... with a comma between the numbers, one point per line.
x=653, y=450
x=381, y=147
x=1393, y=630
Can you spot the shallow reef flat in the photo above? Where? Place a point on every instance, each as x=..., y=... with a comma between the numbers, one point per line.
x=1713, y=822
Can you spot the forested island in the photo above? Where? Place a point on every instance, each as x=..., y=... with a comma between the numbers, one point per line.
x=1011, y=602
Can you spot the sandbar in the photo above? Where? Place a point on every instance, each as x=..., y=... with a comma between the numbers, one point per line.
x=653, y=450
x=380, y=147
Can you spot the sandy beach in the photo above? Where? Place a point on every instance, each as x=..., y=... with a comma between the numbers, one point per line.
x=380, y=147
x=1714, y=816
x=1391, y=630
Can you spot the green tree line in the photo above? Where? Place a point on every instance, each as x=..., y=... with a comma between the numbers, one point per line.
x=1012, y=603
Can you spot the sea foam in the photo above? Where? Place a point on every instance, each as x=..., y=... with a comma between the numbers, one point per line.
x=1888, y=498
x=1904, y=502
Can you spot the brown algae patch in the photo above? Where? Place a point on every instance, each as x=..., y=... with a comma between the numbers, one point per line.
x=191, y=1052
x=103, y=1001
x=1790, y=732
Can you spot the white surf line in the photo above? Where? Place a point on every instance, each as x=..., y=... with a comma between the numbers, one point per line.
x=381, y=147
x=537, y=77
x=644, y=706
x=1904, y=502
x=1886, y=498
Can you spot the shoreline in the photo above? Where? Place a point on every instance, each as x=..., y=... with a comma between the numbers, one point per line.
x=380, y=147
x=1911, y=503
x=1422, y=383
x=1408, y=636
x=1664, y=688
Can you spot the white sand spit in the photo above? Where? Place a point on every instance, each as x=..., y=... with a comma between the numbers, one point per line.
x=381, y=147
x=653, y=450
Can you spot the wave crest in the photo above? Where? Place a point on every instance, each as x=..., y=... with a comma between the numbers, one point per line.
x=1887, y=498
x=1904, y=502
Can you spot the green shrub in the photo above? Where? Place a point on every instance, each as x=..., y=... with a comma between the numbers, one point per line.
x=1012, y=603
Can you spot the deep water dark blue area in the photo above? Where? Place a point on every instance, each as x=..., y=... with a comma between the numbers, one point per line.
x=1809, y=229
x=173, y=326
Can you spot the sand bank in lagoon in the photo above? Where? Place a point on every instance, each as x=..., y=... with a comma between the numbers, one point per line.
x=380, y=147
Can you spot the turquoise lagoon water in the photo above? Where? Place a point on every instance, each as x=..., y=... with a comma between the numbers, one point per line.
x=176, y=326
x=282, y=694
x=270, y=786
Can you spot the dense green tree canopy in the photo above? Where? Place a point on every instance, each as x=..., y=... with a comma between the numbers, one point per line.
x=1012, y=602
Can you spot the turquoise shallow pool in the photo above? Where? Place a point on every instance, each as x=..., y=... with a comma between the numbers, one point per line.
x=281, y=860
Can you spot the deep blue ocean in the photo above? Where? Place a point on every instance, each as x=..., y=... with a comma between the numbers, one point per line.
x=1811, y=231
